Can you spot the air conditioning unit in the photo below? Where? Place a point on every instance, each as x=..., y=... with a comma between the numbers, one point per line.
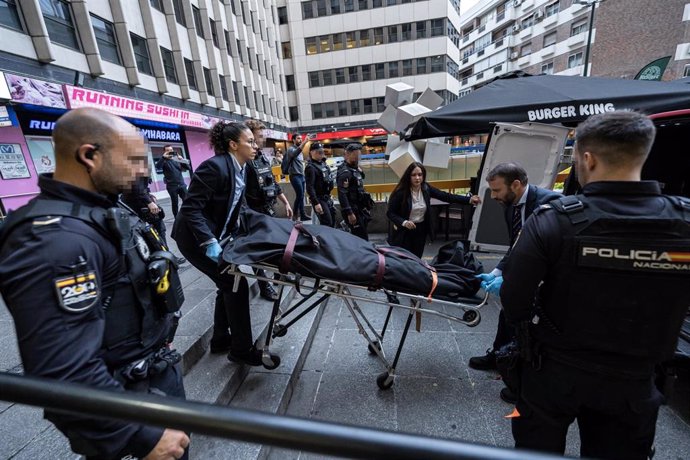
x=516, y=28
x=514, y=55
x=539, y=15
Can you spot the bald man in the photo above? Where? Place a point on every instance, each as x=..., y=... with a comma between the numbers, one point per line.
x=73, y=273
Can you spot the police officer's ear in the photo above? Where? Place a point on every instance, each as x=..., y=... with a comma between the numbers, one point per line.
x=85, y=154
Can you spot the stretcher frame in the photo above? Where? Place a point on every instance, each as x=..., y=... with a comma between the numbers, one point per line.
x=471, y=316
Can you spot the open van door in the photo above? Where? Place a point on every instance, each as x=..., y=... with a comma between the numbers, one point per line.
x=535, y=146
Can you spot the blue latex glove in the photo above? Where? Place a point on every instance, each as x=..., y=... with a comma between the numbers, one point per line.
x=213, y=251
x=486, y=278
x=494, y=287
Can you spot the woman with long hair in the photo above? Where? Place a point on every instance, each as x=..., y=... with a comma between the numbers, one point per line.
x=208, y=216
x=409, y=208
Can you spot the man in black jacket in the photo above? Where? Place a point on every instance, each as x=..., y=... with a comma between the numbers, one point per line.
x=355, y=202
x=173, y=164
x=600, y=282
x=509, y=186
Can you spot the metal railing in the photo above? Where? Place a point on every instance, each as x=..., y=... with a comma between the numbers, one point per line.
x=245, y=425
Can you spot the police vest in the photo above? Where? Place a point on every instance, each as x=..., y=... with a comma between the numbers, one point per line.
x=623, y=291
x=139, y=306
x=356, y=194
x=261, y=187
x=324, y=180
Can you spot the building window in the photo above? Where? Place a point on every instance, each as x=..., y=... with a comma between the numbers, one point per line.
x=327, y=77
x=169, y=65
x=526, y=49
x=290, y=82
x=325, y=43
x=257, y=101
x=339, y=76
x=393, y=71
x=236, y=92
x=350, y=40
x=105, y=38
x=310, y=45
x=377, y=3
x=406, y=32
x=9, y=15
x=421, y=29
x=366, y=72
x=224, y=89
x=552, y=9
x=437, y=27
x=58, y=19
x=362, y=5
x=578, y=27
x=337, y=41
x=156, y=4
x=287, y=51
x=378, y=36
x=282, y=15
x=314, y=80
x=392, y=34
x=294, y=114
x=380, y=70
x=316, y=111
x=342, y=108
x=352, y=74
x=196, y=14
x=227, y=41
x=328, y=109
x=686, y=70
x=209, y=81
x=247, y=101
x=547, y=68
x=437, y=63
x=575, y=60
x=141, y=54
x=364, y=38
x=349, y=5
x=421, y=66
x=321, y=8
x=335, y=6
x=214, y=33
x=550, y=39
x=380, y=106
x=191, y=75
x=234, y=11
x=354, y=107
x=368, y=105
x=407, y=67
x=307, y=10
x=179, y=12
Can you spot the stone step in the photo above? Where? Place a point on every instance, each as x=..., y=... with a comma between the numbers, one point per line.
x=264, y=390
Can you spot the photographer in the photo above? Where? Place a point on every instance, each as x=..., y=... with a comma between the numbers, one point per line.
x=173, y=164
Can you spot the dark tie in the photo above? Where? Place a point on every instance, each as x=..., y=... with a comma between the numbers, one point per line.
x=517, y=223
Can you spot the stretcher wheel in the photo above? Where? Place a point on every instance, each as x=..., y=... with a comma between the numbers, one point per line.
x=469, y=316
x=270, y=362
x=279, y=330
x=373, y=348
x=384, y=381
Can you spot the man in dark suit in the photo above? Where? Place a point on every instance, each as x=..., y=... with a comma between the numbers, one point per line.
x=173, y=164
x=508, y=185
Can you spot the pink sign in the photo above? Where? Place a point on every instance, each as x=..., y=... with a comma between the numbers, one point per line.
x=126, y=107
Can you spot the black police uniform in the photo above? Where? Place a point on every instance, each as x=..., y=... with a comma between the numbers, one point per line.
x=319, y=186
x=74, y=273
x=138, y=199
x=261, y=193
x=615, y=268
x=353, y=198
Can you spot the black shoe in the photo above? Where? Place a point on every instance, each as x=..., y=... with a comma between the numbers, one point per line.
x=268, y=293
x=508, y=396
x=305, y=218
x=252, y=357
x=180, y=260
x=220, y=345
x=484, y=363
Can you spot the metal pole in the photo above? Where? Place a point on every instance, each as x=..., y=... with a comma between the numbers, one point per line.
x=589, y=37
x=245, y=425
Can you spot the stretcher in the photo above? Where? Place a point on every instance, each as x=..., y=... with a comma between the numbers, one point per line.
x=315, y=292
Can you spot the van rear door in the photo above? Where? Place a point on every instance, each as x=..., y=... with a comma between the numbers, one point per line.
x=538, y=148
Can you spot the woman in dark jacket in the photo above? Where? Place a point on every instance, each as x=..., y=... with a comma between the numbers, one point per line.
x=409, y=208
x=208, y=216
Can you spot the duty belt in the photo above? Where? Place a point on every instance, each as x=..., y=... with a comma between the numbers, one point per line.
x=154, y=364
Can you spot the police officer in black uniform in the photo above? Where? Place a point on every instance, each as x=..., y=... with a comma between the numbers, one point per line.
x=355, y=202
x=85, y=281
x=610, y=271
x=319, y=183
x=262, y=192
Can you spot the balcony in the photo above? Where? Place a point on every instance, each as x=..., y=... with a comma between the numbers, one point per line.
x=577, y=40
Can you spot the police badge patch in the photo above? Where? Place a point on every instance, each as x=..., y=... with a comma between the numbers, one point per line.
x=77, y=293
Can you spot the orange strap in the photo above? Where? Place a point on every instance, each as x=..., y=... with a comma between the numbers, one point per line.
x=434, y=283
x=514, y=414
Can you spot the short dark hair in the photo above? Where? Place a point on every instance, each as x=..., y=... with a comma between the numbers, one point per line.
x=222, y=133
x=292, y=138
x=617, y=138
x=510, y=172
x=166, y=146
x=254, y=125
x=354, y=146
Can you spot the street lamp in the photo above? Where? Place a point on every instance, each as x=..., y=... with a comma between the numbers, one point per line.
x=592, y=4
